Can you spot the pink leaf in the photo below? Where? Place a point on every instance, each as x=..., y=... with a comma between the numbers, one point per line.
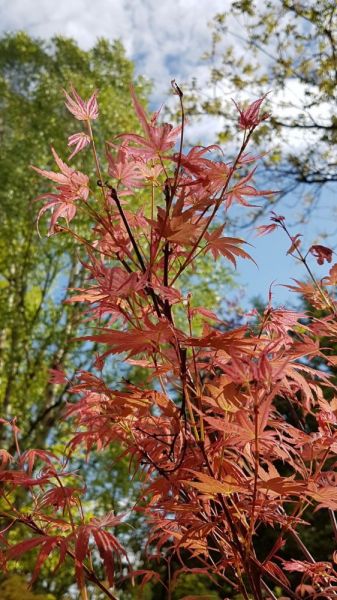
x=83, y=111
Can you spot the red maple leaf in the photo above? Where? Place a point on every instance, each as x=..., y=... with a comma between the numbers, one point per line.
x=81, y=109
x=250, y=116
x=71, y=185
x=157, y=139
x=322, y=253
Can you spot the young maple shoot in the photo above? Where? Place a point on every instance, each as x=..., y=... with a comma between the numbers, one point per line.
x=234, y=430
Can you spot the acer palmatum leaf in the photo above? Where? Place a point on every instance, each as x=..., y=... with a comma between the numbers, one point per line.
x=80, y=140
x=81, y=109
x=157, y=139
x=71, y=186
x=251, y=116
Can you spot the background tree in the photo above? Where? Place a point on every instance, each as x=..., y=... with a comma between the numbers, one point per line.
x=15, y=588
x=290, y=48
x=36, y=326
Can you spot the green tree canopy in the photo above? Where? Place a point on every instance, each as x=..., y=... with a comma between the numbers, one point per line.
x=36, y=326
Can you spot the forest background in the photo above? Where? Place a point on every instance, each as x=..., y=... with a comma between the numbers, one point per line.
x=287, y=48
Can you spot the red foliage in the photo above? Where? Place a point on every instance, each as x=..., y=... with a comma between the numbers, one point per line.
x=322, y=253
x=220, y=454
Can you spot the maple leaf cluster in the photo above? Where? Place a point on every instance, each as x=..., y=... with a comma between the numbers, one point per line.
x=232, y=429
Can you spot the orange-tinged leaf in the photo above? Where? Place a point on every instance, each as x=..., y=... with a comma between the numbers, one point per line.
x=228, y=247
x=135, y=341
x=331, y=279
x=295, y=243
x=283, y=486
x=325, y=496
x=209, y=485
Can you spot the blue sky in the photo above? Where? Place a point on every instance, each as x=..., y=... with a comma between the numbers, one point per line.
x=166, y=40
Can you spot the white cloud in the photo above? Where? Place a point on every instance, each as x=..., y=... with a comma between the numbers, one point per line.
x=166, y=39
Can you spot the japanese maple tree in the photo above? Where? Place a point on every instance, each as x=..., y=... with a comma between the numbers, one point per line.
x=234, y=432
